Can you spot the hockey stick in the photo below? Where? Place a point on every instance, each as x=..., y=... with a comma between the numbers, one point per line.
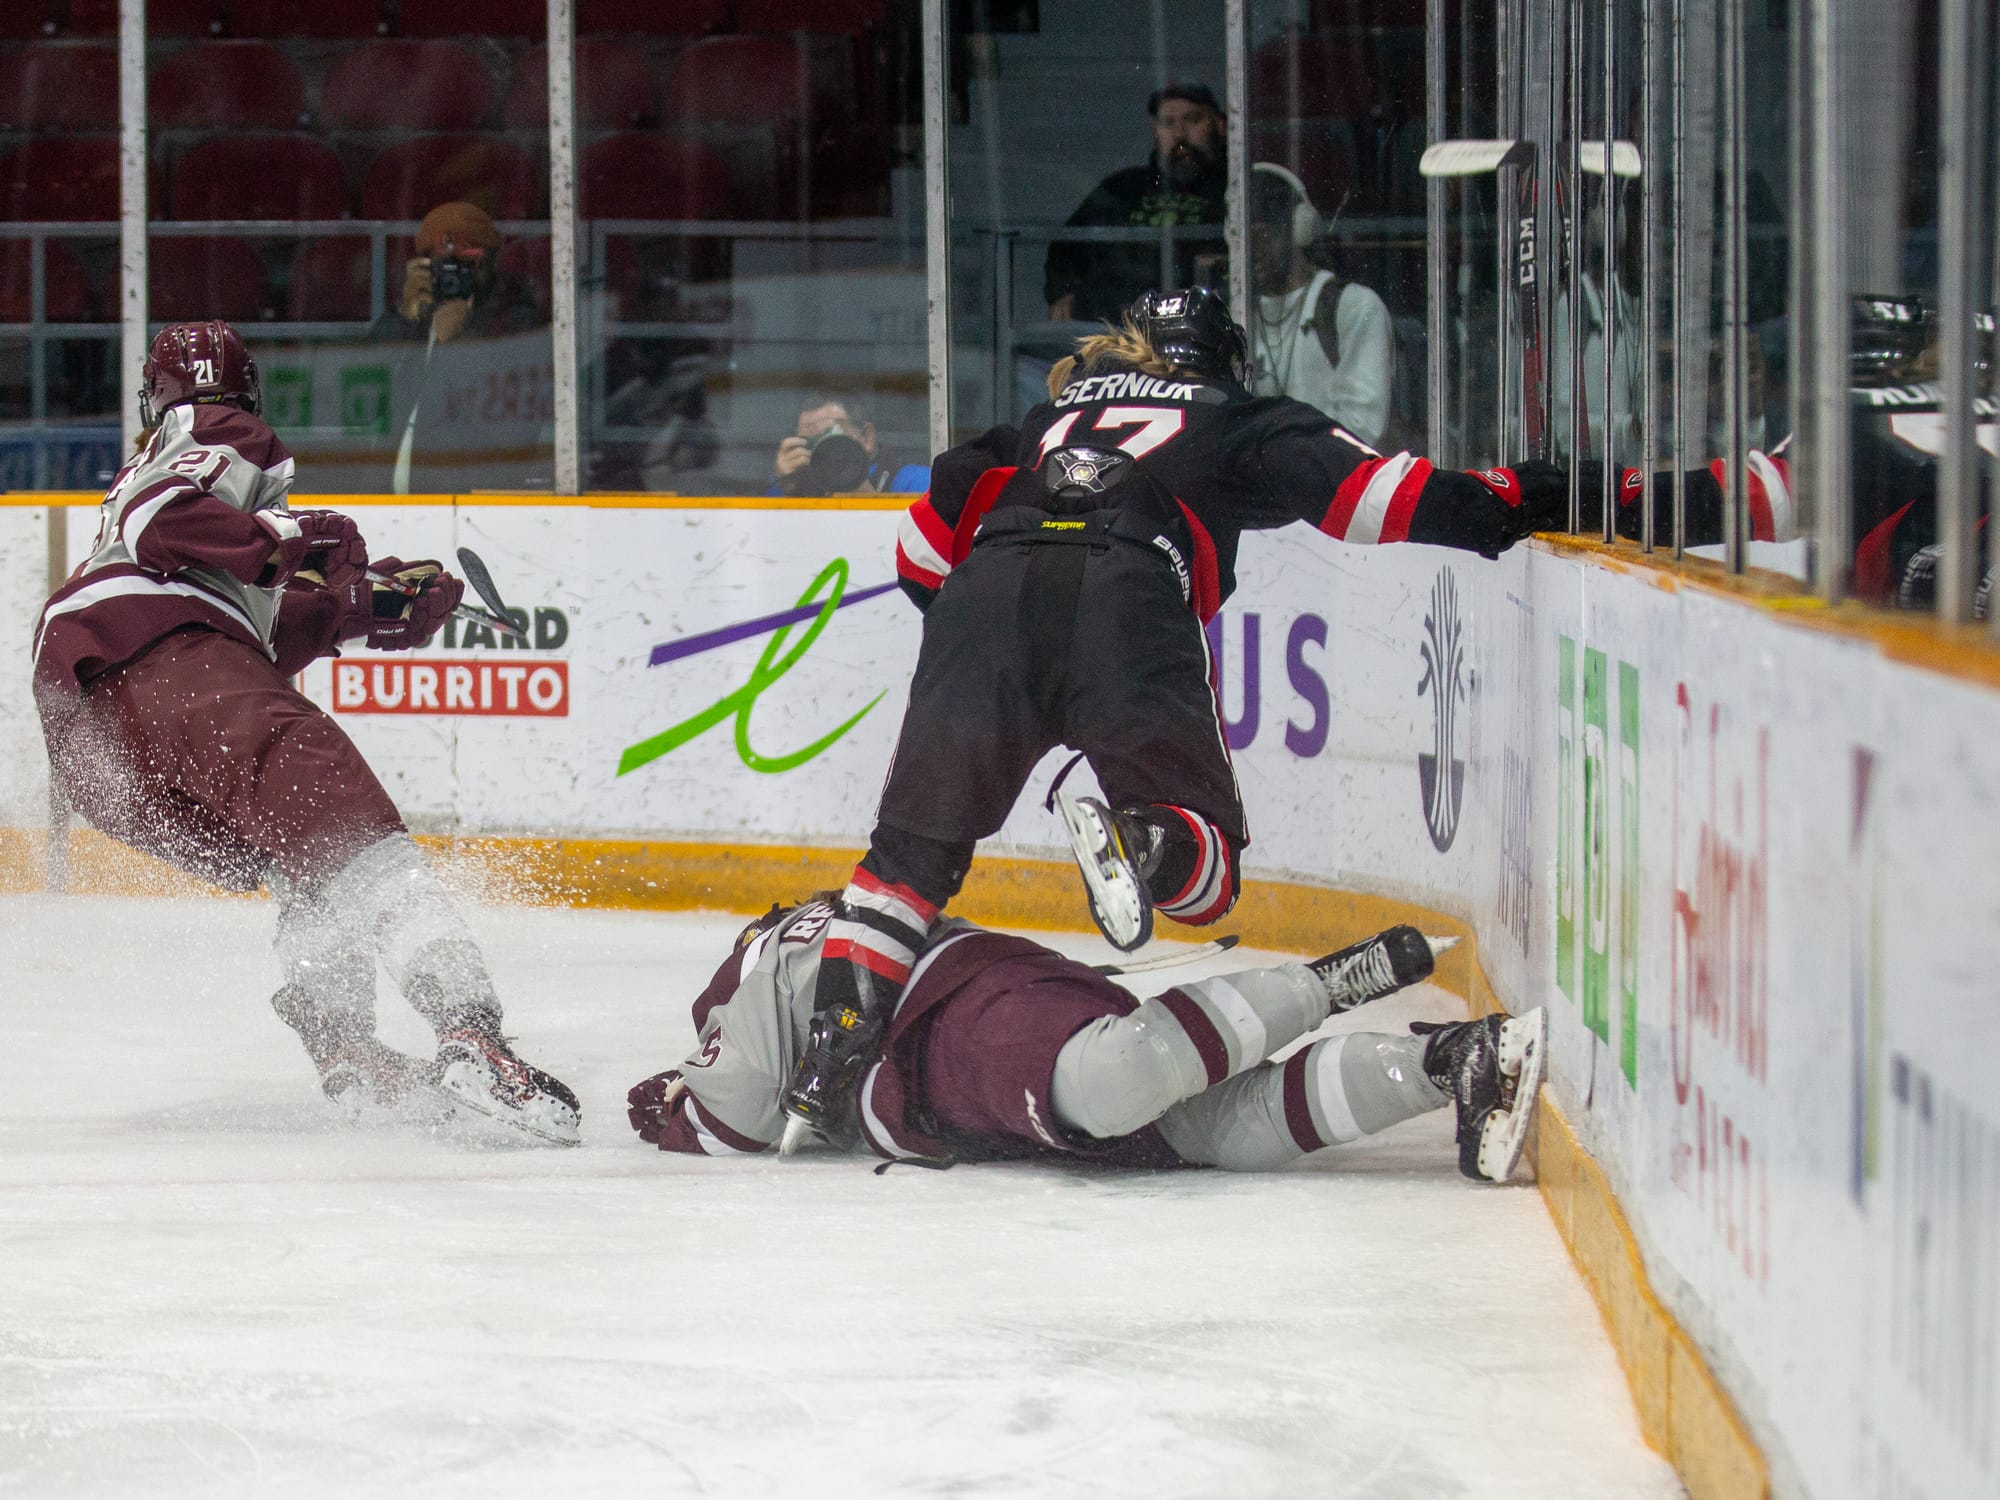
x=1473, y=158
x=1168, y=960
x=471, y=612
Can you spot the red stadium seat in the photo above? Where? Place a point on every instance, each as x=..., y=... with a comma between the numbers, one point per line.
x=25, y=19
x=410, y=178
x=499, y=18
x=1330, y=80
x=528, y=262
x=850, y=17
x=275, y=19
x=59, y=86
x=640, y=175
x=651, y=18
x=65, y=289
x=163, y=18
x=292, y=176
x=206, y=278
x=226, y=86
x=407, y=85
x=330, y=282
x=615, y=87
x=740, y=80
x=61, y=177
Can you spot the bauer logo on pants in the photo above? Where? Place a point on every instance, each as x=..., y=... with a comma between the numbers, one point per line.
x=1440, y=769
x=521, y=689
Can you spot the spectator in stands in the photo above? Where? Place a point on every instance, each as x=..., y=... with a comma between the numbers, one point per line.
x=470, y=403
x=1316, y=338
x=1183, y=183
x=834, y=452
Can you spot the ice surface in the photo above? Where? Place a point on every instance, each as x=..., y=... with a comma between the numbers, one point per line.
x=208, y=1287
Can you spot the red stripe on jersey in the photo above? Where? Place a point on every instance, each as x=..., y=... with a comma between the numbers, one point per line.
x=880, y=964
x=984, y=492
x=1403, y=504
x=1763, y=526
x=1225, y=894
x=1205, y=588
x=1298, y=1112
x=1345, y=499
x=907, y=569
x=1872, y=564
x=1208, y=1043
x=876, y=886
x=924, y=516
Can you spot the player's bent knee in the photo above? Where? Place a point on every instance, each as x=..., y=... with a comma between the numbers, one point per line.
x=1114, y=1077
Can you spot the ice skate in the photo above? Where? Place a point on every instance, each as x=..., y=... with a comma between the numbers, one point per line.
x=358, y=1071
x=1112, y=852
x=478, y=1072
x=1492, y=1068
x=842, y=1041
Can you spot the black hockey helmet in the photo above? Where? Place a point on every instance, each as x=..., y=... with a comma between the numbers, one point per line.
x=1192, y=327
x=1889, y=337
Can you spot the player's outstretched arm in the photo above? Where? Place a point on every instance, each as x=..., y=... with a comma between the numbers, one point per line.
x=936, y=532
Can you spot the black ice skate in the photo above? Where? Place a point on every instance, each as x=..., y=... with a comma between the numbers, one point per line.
x=841, y=1042
x=358, y=1071
x=1393, y=959
x=477, y=1070
x=1115, y=852
x=1492, y=1068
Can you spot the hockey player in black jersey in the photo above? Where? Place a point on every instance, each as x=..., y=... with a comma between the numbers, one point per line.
x=1065, y=569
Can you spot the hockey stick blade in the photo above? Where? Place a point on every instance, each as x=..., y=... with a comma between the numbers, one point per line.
x=1169, y=960
x=1473, y=158
x=477, y=574
x=1624, y=158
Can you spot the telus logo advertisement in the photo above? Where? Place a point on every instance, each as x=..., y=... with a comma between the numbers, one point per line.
x=1447, y=682
x=1236, y=645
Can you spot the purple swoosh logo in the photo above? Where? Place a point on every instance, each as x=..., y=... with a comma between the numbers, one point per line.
x=709, y=640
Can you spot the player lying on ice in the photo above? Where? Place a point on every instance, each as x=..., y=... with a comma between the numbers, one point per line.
x=1000, y=1048
x=162, y=675
x=1066, y=569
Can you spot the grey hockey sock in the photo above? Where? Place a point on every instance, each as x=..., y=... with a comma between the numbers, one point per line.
x=1333, y=1091
x=1123, y=1072
x=388, y=898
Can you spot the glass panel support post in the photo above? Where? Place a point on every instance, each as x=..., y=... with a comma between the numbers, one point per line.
x=1578, y=434
x=562, y=243
x=1735, y=308
x=1962, y=76
x=1236, y=205
x=1649, y=236
x=132, y=313
x=1435, y=323
x=1828, y=318
x=937, y=227
x=1608, y=292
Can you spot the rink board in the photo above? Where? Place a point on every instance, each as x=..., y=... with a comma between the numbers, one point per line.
x=1739, y=856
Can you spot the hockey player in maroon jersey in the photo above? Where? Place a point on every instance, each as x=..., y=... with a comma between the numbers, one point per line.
x=1000, y=1048
x=1066, y=569
x=162, y=674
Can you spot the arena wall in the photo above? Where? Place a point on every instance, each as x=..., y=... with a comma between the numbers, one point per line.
x=1733, y=843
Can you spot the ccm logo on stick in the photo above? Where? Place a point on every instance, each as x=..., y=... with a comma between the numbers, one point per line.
x=536, y=690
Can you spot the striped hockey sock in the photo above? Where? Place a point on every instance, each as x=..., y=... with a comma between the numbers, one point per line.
x=872, y=942
x=1195, y=880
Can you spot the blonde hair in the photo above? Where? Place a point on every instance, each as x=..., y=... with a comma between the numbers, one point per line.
x=1125, y=345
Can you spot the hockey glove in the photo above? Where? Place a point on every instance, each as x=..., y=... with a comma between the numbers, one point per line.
x=404, y=614
x=332, y=549
x=649, y=1104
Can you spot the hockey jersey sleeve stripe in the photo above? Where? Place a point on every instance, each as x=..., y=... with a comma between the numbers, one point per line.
x=140, y=511
x=1361, y=504
x=716, y=1138
x=1201, y=1031
x=104, y=590
x=1403, y=503
x=919, y=554
x=1771, y=499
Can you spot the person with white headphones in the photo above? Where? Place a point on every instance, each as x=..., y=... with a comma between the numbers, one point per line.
x=1314, y=337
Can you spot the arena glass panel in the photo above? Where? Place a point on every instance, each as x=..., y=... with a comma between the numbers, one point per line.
x=1336, y=212
x=370, y=209
x=751, y=250
x=1088, y=162
x=59, y=386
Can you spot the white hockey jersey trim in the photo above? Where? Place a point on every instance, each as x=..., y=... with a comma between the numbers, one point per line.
x=115, y=588
x=1373, y=507
x=711, y=1143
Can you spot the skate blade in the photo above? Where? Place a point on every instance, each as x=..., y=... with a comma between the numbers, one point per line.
x=1523, y=1053
x=1117, y=905
x=797, y=1133
x=477, y=1118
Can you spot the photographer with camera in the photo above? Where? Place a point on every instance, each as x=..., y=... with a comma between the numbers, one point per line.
x=834, y=452
x=475, y=335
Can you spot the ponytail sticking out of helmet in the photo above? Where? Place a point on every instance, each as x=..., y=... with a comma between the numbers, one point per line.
x=1193, y=329
x=198, y=362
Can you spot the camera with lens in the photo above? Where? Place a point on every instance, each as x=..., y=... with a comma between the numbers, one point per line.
x=838, y=462
x=452, y=279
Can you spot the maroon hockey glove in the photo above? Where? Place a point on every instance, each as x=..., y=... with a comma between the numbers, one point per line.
x=331, y=547
x=649, y=1105
x=392, y=618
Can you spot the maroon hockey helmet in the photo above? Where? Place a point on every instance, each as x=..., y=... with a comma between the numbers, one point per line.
x=201, y=362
